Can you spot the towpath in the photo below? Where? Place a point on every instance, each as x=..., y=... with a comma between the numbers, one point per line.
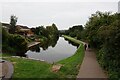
x=90, y=67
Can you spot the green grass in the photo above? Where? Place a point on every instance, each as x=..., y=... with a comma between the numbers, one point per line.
x=25, y=68
x=72, y=64
x=72, y=39
x=5, y=55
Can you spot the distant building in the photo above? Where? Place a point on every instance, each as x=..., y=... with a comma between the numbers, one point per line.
x=119, y=7
x=20, y=29
x=24, y=30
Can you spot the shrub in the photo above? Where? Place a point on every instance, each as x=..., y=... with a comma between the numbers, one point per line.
x=13, y=43
x=18, y=42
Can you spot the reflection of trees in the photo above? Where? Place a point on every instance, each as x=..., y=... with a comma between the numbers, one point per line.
x=51, y=42
x=35, y=48
x=54, y=41
x=21, y=53
x=51, y=37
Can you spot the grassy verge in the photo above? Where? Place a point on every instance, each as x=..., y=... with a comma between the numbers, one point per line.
x=5, y=55
x=25, y=68
x=72, y=64
x=72, y=39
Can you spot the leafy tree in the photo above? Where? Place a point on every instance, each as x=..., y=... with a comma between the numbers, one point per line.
x=13, y=43
x=52, y=31
x=13, y=21
x=103, y=32
x=75, y=31
x=92, y=26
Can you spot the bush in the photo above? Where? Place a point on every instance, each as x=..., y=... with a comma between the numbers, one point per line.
x=72, y=34
x=18, y=42
x=103, y=33
x=13, y=43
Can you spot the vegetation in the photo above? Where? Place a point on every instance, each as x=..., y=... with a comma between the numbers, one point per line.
x=75, y=31
x=103, y=32
x=13, y=43
x=26, y=68
x=48, y=32
x=16, y=43
x=48, y=36
x=72, y=64
x=13, y=21
x=42, y=70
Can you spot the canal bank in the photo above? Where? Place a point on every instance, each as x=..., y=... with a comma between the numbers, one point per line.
x=69, y=69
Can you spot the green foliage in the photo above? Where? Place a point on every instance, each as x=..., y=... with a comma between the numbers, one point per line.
x=4, y=35
x=18, y=42
x=72, y=34
x=103, y=32
x=97, y=21
x=12, y=42
x=72, y=64
x=13, y=21
x=52, y=31
x=75, y=31
x=42, y=70
x=48, y=32
x=48, y=36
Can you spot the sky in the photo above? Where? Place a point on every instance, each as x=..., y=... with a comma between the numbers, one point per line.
x=63, y=13
x=119, y=6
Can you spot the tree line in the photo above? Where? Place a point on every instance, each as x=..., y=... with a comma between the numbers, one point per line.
x=13, y=42
x=102, y=32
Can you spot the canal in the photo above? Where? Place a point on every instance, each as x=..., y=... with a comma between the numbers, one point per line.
x=57, y=51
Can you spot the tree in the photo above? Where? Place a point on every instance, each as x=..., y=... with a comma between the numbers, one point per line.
x=103, y=32
x=13, y=21
x=75, y=31
x=95, y=22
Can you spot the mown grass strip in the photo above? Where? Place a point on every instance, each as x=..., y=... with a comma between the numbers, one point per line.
x=72, y=64
x=73, y=39
x=26, y=68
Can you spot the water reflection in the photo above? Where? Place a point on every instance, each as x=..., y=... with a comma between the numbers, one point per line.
x=35, y=48
x=53, y=51
x=45, y=45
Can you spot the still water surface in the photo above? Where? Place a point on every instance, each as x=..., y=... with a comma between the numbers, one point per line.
x=60, y=51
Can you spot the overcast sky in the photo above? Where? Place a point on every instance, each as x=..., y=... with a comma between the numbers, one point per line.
x=63, y=14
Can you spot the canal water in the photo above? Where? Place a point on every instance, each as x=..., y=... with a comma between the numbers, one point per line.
x=62, y=49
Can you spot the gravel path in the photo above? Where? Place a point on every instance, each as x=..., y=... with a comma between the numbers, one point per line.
x=90, y=68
